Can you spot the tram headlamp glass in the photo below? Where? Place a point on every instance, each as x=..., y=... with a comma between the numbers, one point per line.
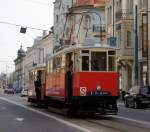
x=98, y=88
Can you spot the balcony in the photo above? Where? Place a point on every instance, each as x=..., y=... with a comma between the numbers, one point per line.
x=124, y=15
x=99, y=30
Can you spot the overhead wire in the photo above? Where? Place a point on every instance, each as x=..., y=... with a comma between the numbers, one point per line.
x=18, y=25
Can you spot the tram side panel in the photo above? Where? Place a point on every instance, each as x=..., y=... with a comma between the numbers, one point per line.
x=96, y=92
x=55, y=87
x=84, y=83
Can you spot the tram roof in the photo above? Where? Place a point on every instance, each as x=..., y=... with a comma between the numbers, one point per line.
x=76, y=47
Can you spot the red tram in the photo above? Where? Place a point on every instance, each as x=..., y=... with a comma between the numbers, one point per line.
x=80, y=80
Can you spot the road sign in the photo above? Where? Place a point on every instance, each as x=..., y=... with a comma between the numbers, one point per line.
x=113, y=41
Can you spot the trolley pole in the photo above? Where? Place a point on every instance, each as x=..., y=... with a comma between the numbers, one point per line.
x=136, y=77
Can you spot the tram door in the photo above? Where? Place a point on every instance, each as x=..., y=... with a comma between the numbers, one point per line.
x=68, y=76
x=42, y=74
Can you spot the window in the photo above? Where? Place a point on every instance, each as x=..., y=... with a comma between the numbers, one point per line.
x=57, y=38
x=111, y=61
x=56, y=18
x=98, y=61
x=118, y=38
x=128, y=39
x=85, y=60
x=111, y=14
x=145, y=90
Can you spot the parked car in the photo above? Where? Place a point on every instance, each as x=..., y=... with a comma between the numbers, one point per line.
x=9, y=91
x=17, y=90
x=138, y=97
x=24, y=92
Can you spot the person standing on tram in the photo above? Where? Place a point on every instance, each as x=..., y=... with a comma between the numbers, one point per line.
x=37, y=85
x=69, y=79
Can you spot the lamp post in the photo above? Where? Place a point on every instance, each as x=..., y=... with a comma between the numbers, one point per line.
x=113, y=18
x=147, y=10
x=136, y=77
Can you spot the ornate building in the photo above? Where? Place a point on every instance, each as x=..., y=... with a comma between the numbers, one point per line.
x=144, y=41
x=37, y=54
x=19, y=70
x=79, y=22
x=120, y=24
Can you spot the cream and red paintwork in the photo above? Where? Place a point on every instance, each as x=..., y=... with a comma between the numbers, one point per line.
x=55, y=85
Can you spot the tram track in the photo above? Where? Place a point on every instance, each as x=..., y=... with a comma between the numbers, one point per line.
x=107, y=126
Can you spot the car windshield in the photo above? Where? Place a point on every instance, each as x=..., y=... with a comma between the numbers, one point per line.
x=145, y=90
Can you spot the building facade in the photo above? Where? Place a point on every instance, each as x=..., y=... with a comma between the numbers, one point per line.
x=120, y=25
x=144, y=38
x=37, y=54
x=60, y=17
x=82, y=22
x=19, y=70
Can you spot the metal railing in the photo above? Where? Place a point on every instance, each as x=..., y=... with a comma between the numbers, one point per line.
x=97, y=28
x=124, y=14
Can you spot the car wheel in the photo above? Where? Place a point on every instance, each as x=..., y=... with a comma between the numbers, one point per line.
x=126, y=103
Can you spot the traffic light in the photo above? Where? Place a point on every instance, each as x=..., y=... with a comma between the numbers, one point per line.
x=23, y=30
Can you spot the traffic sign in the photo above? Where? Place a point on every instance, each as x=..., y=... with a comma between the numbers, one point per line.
x=113, y=41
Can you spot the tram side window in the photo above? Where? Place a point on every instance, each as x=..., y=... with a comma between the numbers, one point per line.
x=85, y=60
x=98, y=61
x=111, y=63
x=85, y=63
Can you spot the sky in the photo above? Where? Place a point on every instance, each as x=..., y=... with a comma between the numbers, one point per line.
x=28, y=13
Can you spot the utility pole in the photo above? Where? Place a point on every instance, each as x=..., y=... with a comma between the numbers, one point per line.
x=136, y=77
x=113, y=18
x=147, y=47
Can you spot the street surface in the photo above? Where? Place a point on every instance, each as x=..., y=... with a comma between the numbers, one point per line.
x=17, y=115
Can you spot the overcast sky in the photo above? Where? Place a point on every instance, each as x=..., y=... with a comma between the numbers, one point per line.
x=30, y=13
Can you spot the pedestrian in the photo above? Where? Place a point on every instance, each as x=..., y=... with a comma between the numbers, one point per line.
x=37, y=85
x=123, y=94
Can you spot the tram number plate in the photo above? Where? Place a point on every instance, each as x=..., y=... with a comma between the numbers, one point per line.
x=83, y=91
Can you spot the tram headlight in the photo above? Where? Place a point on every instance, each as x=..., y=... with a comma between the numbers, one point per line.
x=98, y=88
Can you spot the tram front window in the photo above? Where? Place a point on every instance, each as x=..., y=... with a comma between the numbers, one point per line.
x=98, y=61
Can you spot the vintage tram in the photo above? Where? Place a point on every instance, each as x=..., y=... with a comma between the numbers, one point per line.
x=81, y=79
x=38, y=70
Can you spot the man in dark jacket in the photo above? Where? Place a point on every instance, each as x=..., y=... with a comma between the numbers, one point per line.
x=37, y=84
x=69, y=79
